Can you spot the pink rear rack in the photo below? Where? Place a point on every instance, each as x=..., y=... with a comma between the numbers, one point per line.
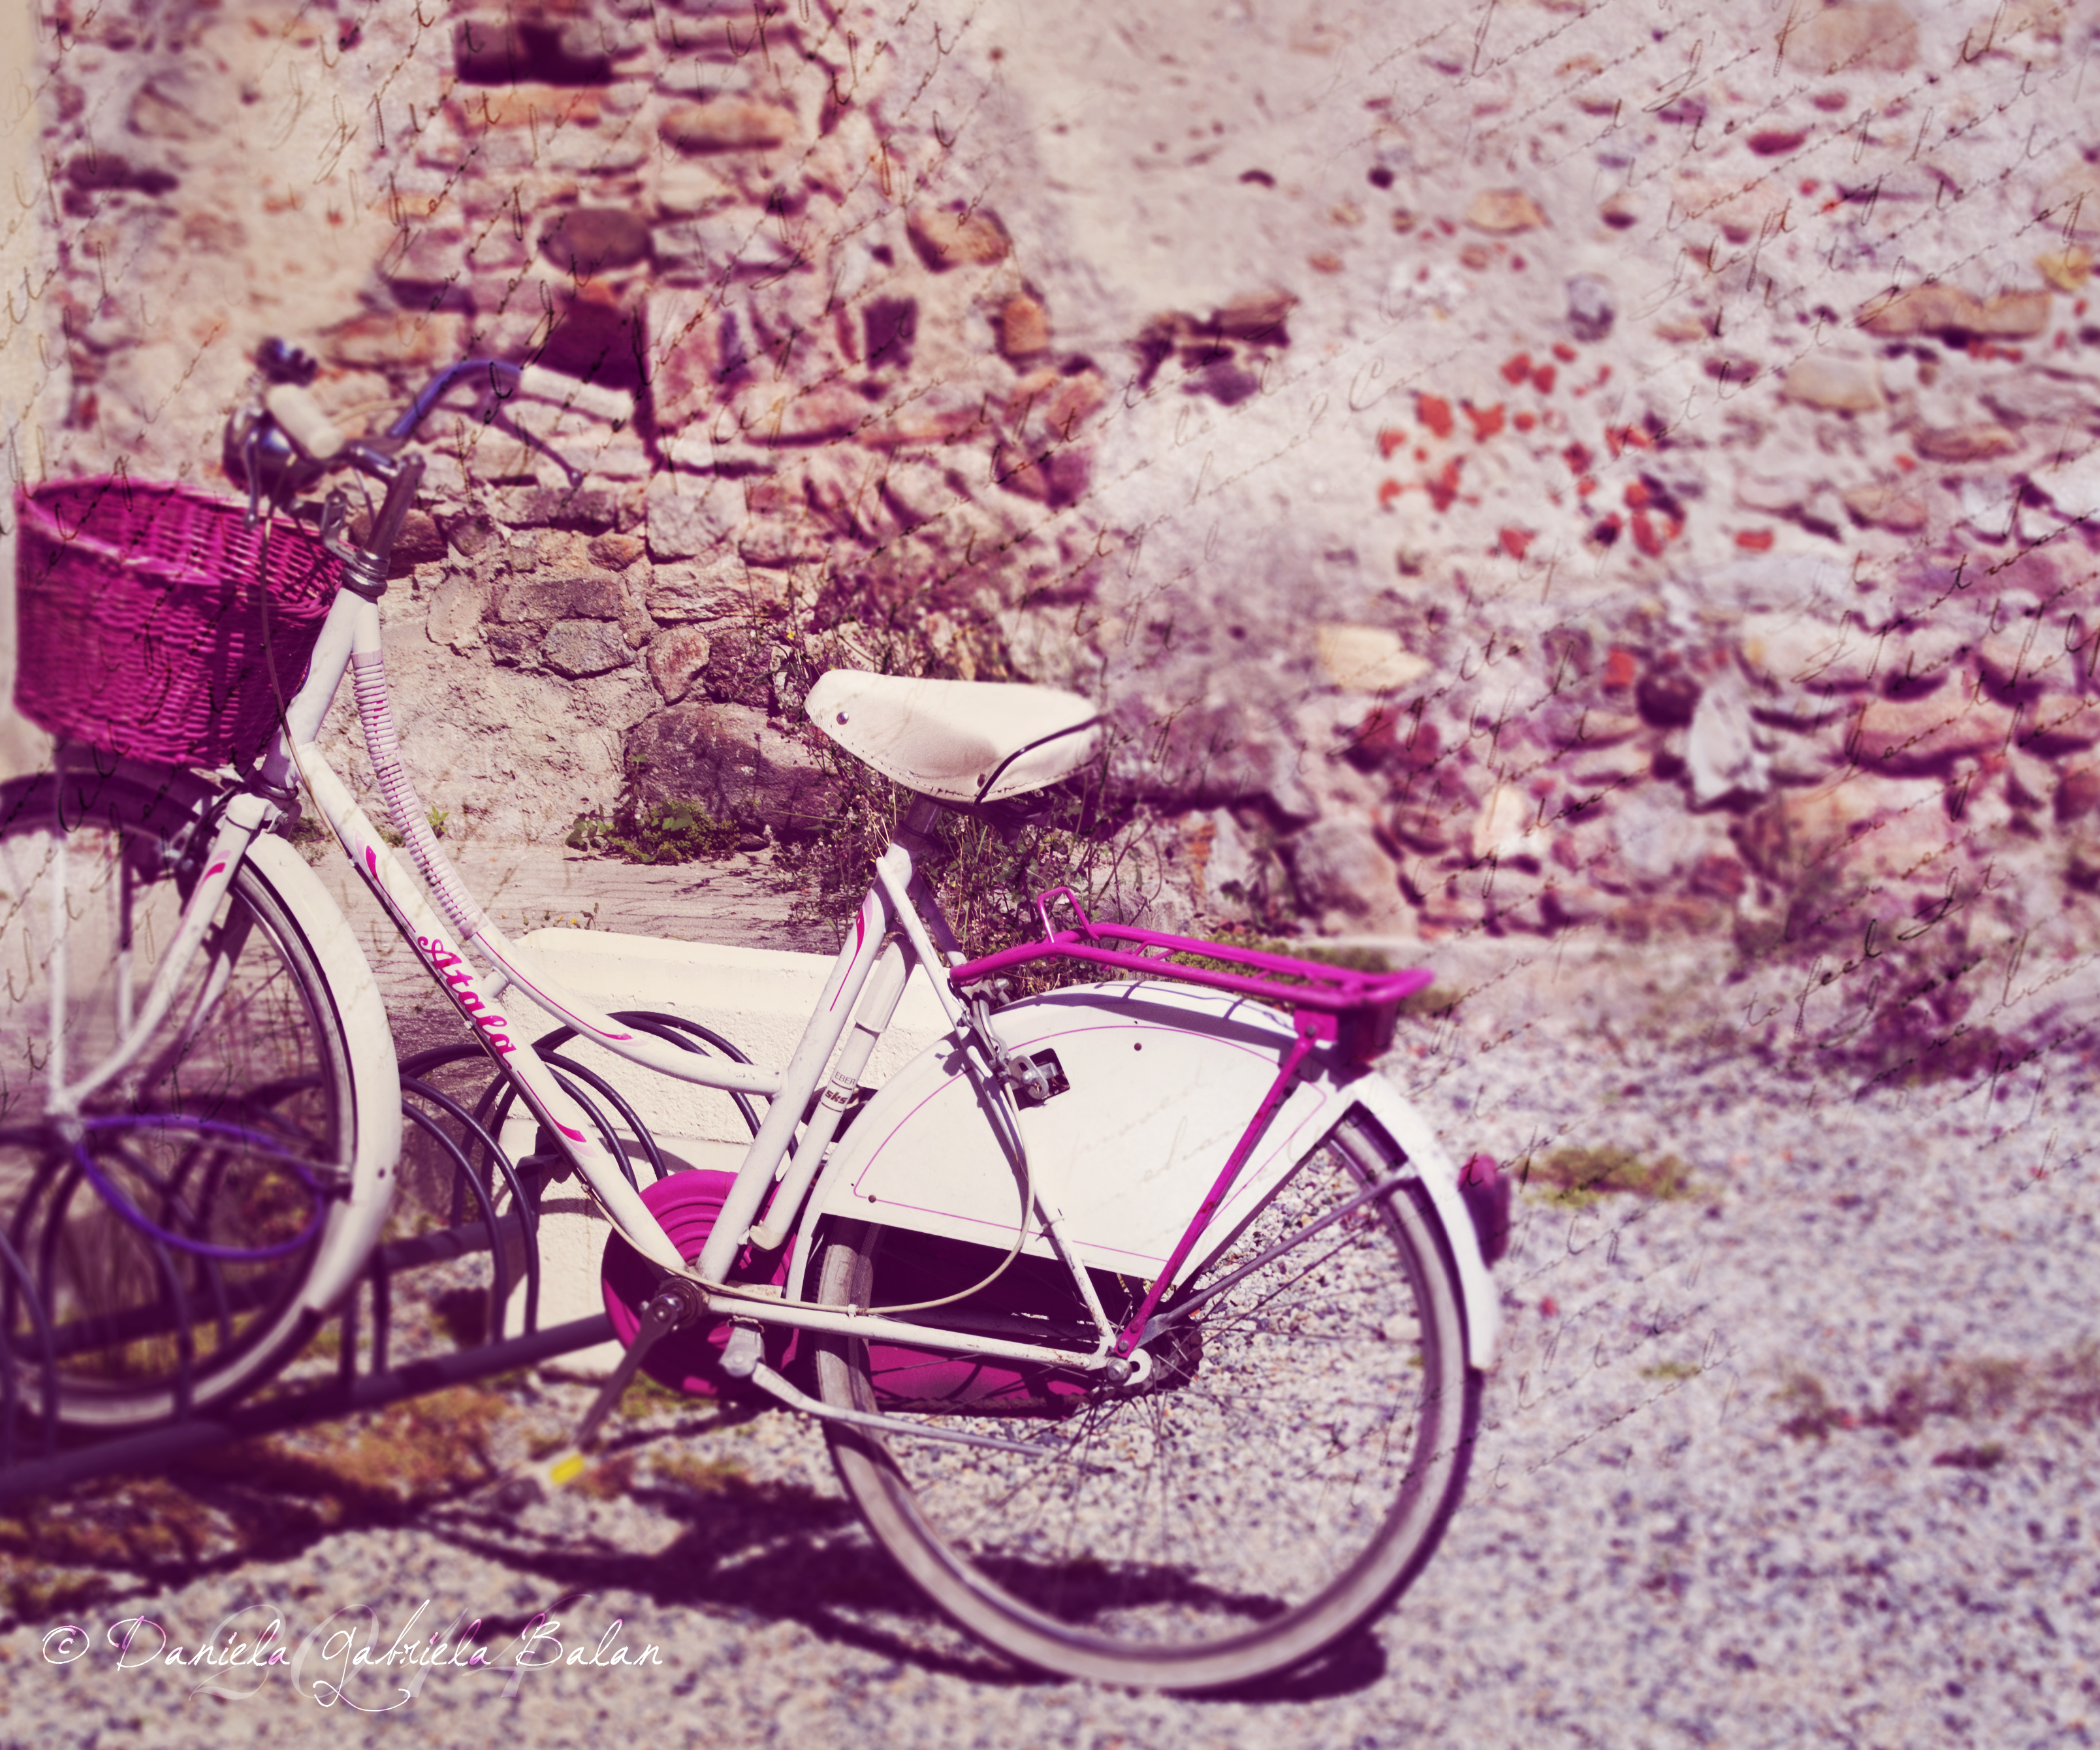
x=1353, y=1010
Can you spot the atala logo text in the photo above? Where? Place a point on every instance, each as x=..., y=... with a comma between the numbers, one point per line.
x=451, y=968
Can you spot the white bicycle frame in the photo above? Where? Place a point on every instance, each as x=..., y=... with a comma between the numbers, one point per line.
x=446, y=932
x=350, y=642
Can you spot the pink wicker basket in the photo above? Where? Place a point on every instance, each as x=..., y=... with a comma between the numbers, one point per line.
x=147, y=625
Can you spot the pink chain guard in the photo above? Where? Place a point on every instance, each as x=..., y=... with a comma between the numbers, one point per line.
x=686, y=1204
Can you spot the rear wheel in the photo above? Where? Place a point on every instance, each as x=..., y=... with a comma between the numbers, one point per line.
x=1286, y=1468
x=155, y=1254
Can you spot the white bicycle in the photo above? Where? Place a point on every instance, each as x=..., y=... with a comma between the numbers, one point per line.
x=1145, y=1318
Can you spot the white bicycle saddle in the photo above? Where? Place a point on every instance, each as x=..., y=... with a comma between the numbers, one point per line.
x=956, y=741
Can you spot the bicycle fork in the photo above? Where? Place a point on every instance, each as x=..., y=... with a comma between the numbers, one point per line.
x=244, y=815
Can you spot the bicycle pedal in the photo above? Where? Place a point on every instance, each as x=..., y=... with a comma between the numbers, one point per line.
x=559, y=1469
x=746, y=1351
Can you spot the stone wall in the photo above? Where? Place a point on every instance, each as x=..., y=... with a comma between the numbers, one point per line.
x=1573, y=469
x=857, y=441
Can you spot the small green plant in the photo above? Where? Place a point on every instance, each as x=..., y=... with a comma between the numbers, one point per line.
x=702, y=1475
x=437, y=818
x=588, y=832
x=311, y=836
x=674, y=832
x=327, y=1343
x=392, y=837
x=1992, y=1386
x=551, y=919
x=645, y=1398
x=1577, y=1177
x=664, y=832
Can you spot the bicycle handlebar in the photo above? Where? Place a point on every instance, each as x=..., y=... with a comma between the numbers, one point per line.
x=282, y=442
x=287, y=442
x=299, y=417
x=534, y=381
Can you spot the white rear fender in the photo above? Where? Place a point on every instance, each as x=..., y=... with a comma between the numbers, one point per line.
x=1397, y=1116
x=1160, y=1083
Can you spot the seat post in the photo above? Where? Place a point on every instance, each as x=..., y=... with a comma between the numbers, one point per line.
x=914, y=831
x=914, y=836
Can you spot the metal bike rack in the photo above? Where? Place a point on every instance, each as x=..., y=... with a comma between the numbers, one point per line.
x=38, y=1459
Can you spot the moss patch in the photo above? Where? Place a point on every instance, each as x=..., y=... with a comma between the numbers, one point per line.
x=1577, y=1178
x=705, y=1476
x=647, y=1397
x=1991, y=1389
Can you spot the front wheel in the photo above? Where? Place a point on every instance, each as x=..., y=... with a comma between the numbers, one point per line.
x=1286, y=1469
x=155, y=1260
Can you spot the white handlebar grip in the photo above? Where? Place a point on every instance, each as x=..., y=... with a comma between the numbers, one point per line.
x=544, y=385
x=303, y=422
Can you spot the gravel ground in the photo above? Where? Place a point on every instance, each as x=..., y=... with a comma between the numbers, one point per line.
x=1797, y=1455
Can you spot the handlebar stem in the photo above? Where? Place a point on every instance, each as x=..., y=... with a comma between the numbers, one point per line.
x=367, y=566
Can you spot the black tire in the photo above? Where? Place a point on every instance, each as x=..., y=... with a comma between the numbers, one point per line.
x=1271, y=1492
x=219, y=1135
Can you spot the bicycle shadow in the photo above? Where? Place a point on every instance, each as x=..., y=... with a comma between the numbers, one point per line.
x=745, y=1550
x=820, y=1569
